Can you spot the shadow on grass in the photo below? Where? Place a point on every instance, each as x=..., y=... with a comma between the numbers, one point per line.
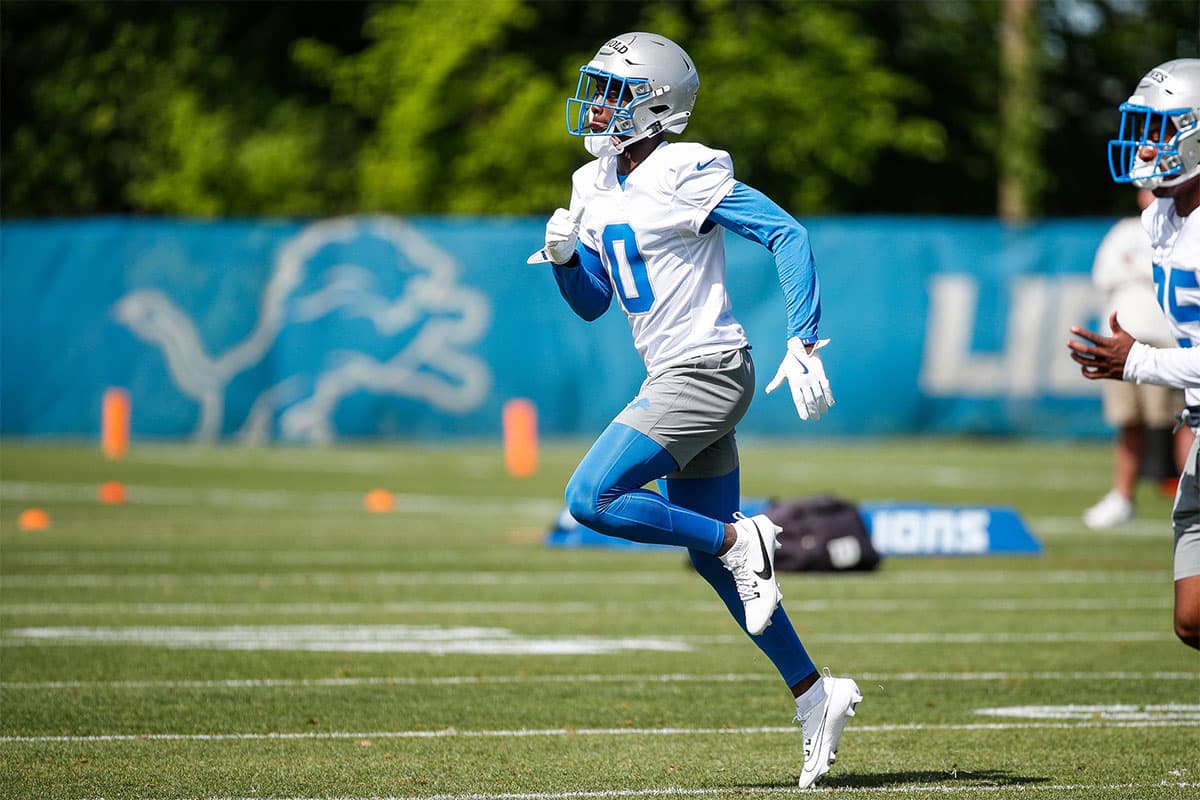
x=940, y=780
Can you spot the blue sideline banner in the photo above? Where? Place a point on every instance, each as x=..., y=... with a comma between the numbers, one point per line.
x=920, y=529
x=414, y=327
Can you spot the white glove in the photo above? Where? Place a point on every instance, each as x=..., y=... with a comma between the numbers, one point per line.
x=805, y=375
x=562, y=231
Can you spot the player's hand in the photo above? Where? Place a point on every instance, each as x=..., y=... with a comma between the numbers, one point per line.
x=1106, y=355
x=805, y=375
x=562, y=231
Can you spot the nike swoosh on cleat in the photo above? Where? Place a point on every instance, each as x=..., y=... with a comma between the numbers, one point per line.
x=766, y=572
x=700, y=166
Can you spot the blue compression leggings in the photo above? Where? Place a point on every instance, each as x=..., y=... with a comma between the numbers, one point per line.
x=606, y=495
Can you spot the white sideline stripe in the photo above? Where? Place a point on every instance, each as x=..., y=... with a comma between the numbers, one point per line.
x=1151, y=528
x=927, y=789
x=468, y=680
x=348, y=639
x=526, y=577
x=276, y=499
x=453, y=733
x=520, y=607
x=671, y=792
x=399, y=639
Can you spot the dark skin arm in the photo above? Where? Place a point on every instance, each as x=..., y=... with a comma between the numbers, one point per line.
x=1105, y=356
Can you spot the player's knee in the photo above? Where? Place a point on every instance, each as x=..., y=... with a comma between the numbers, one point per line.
x=1187, y=627
x=583, y=501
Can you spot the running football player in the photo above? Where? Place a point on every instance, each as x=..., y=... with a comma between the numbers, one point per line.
x=645, y=225
x=1159, y=149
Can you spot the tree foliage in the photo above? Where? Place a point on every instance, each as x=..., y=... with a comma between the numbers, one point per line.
x=457, y=106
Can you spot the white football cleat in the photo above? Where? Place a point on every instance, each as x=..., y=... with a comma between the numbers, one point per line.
x=1112, y=510
x=752, y=562
x=822, y=729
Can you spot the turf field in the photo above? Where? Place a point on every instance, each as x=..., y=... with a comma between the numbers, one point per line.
x=242, y=628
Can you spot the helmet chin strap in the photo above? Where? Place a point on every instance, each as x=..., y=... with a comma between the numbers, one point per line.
x=600, y=146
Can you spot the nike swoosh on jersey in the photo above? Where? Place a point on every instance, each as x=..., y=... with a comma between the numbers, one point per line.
x=700, y=166
x=766, y=572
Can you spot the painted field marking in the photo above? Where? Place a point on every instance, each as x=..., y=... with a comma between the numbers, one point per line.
x=519, y=733
x=1162, y=601
x=478, y=640
x=278, y=499
x=549, y=576
x=469, y=680
x=434, y=640
x=1124, y=713
x=966, y=476
x=1153, y=528
x=1061, y=789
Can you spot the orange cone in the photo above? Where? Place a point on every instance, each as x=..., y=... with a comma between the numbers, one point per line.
x=33, y=519
x=114, y=423
x=379, y=501
x=520, y=438
x=111, y=493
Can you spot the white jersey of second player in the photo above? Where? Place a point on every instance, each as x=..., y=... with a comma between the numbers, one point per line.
x=1175, y=242
x=1123, y=269
x=667, y=268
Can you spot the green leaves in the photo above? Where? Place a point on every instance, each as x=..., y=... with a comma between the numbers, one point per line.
x=457, y=106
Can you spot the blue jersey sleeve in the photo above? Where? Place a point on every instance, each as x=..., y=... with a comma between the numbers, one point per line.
x=584, y=283
x=752, y=215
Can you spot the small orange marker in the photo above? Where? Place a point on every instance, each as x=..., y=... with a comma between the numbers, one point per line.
x=33, y=519
x=379, y=501
x=111, y=493
x=520, y=437
x=114, y=423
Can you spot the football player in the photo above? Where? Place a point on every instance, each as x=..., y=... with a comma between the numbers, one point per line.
x=1159, y=149
x=645, y=225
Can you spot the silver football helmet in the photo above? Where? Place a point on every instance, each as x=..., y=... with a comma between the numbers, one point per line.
x=1159, y=142
x=646, y=80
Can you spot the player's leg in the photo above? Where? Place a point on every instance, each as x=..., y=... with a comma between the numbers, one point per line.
x=1119, y=402
x=823, y=704
x=1187, y=609
x=1186, y=520
x=719, y=498
x=606, y=494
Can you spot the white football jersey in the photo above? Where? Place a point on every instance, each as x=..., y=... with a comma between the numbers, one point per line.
x=1123, y=270
x=668, y=276
x=1175, y=241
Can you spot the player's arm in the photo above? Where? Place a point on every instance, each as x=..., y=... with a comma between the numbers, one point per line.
x=1178, y=367
x=752, y=215
x=1121, y=357
x=584, y=284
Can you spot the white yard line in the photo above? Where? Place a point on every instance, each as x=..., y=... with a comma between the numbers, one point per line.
x=1148, y=528
x=431, y=504
x=1061, y=789
x=413, y=639
x=673, y=575
x=278, y=499
x=520, y=733
x=468, y=680
x=874, y=606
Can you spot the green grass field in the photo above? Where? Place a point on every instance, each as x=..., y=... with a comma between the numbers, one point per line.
x=242, y=628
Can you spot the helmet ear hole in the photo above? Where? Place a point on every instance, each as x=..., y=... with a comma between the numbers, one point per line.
x=659, y=109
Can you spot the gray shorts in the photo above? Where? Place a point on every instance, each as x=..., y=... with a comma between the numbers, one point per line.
x=1186, y=518
x=691, y=410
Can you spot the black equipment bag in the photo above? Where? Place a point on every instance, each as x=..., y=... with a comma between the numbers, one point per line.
x=822, y=534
